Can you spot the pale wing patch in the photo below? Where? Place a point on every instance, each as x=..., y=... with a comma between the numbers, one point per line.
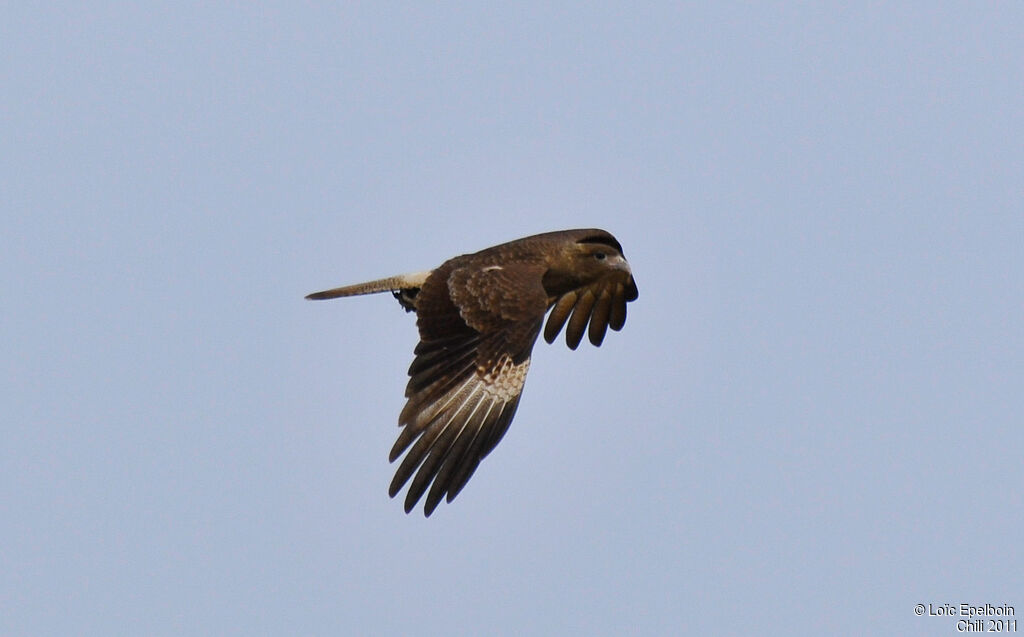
x=505, y=379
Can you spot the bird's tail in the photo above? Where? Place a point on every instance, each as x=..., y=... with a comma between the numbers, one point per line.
x=411, y=281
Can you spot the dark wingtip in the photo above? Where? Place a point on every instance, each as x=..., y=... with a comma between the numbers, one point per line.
x=632, y=293
x=573, y=343
x=394, y=488
x=429, y=507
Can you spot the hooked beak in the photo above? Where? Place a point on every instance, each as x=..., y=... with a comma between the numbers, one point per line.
x=619, y=263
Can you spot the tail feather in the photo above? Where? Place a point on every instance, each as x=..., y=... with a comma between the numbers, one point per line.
x=413, y=280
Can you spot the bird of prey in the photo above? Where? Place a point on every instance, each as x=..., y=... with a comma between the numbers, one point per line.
x=478, y=317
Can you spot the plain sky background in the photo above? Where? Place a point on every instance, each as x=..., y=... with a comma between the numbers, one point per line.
x=810, y=423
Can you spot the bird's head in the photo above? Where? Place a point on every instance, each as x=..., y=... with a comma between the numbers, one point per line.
x=589, y=283
x=586, y=259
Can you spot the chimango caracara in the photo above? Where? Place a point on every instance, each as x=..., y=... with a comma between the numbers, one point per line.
x=479, y=316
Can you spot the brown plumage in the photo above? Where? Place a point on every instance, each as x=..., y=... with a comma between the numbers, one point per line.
x=478, y=316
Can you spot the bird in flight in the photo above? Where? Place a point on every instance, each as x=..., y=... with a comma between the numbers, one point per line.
x=478, y=317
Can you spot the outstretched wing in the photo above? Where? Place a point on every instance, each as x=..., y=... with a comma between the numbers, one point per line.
x=478, y=323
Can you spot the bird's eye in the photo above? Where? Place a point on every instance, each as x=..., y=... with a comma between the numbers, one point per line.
x=600, y=256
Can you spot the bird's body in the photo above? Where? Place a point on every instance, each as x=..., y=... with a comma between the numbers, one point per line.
x=478, y=317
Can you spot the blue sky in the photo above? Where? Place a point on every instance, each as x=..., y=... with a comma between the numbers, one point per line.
x=810, y=423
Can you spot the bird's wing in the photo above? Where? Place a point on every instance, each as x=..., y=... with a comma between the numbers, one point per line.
x=602, y=304
x=478, y=324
